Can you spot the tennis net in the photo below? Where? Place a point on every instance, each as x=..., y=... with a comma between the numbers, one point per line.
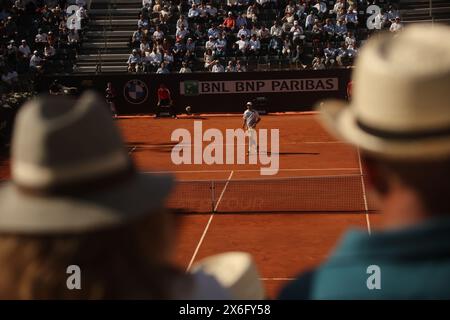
x=300, y=194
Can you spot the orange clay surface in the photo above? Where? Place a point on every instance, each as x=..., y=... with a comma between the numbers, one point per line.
x=282, y=244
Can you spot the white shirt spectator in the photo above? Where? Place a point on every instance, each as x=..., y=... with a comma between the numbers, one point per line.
x=185, y=70
x=181, y=34
x=25, y=50
x=41, y=37
x=193, y=12
x=396, y=26
x=254, y=44
x=182, y=22
x=49, y=51
x=380, y=21
x=158, y=35
x=217, y=67
x=210, y=44
x=35, y=61
x=276, y=31
x=242, y=45
x=147, y=3
x=321, y=7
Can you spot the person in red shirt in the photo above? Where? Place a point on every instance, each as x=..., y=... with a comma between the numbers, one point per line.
x=165, y=101
x=229, y=23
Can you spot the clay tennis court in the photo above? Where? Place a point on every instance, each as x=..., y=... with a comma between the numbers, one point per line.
x=283, y=243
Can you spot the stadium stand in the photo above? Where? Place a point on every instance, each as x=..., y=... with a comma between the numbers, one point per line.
x=290, y=35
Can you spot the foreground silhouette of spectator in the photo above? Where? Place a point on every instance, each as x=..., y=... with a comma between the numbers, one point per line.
x=76, y=199
x=399, y=117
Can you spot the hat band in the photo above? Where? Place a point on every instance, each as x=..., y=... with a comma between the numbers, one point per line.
x=412, y=135
x=81, y=187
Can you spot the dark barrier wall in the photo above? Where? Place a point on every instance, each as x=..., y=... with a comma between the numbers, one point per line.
x=215, y=92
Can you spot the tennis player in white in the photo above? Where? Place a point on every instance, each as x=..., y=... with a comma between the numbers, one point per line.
x=251, y=119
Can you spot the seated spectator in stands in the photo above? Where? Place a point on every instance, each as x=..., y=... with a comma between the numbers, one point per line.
x=275, y=46
x=350, y=39
x=252, y=12
x=351, y=19
x=265, y=4
x=221, y=46
x=243, y=32
x=168, y=59
x=36, y=62
x=24, y=50
x=288, y=22
x=276, y=30
x=210, y=44
x=329, y=29
x=49, y=51
x=330, y=55
x=264, y=34
x=396, y=25
x=199, y=33
x=137, y=37
x=213, y=31
x=321, y=8
x=392, y=13
x=208, y=57
x=185, y=68
x=120, y=235
x=134, y=61
x=318, y=63
x=241, y=46
x=231, y=67
x=296, y=28
x=158, y=35
x=190, y=44
x=152, y=61
x=143, y=23
x=287, y=47
x=40, y=39
x=309, y=21
x=298, y=58
x=254, y=46
x=194, y=13
x=182, y=21
x=181, y=33
x=217, y=67
x=231, y=4
x=144, y=47
x=230, y=22
x=241, y=21
x=147, y=4
x=341, y=29
x=190, y=59
x=380, y=20
x=165, y=14
x=240, y=67
x=163, y=69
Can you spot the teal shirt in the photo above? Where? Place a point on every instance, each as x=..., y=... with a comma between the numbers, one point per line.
x=414, y=263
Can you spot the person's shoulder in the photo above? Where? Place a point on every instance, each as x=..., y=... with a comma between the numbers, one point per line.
x=300, y=288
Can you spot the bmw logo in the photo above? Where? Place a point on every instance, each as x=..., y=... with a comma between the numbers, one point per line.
x=135, y=91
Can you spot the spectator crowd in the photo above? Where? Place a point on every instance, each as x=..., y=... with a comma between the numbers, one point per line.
x=36, y=38
x=236, y=35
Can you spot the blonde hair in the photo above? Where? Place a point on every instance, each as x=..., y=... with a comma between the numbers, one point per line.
x=124, y=262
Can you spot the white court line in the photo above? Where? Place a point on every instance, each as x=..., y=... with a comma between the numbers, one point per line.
x=277, y=279
x=366, y=207
x=181, y=145
x=249, y=170
x=207, y=225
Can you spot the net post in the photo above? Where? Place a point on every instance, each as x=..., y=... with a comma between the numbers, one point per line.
x=213, y=187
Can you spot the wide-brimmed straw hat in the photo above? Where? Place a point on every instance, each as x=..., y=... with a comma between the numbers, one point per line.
x=235, y=271
x=71, y=171
x=400, y=106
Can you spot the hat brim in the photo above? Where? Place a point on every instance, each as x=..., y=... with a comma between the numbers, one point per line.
x=339, y=119
x=139, y=196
